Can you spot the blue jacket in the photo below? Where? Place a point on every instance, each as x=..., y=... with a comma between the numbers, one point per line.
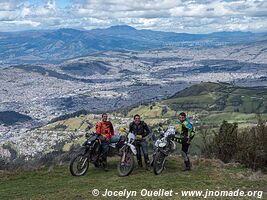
x=185, y=128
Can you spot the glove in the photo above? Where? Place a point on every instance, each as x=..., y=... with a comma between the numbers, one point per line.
x=138, y=137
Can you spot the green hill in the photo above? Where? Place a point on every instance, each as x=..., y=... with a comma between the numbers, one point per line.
x=210, y=104
x=57, y=183
x=220, y=97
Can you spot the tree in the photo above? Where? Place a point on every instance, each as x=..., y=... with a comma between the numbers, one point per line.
x=226, y=141
x=252, y=146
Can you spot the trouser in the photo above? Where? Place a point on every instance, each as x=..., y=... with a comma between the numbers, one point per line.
x=104, y=148
x=185, y=147
x=141, y=146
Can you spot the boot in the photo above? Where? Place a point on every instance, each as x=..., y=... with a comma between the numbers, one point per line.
x=105, y=164
x=147, y=164
x=187, y=166
x=140, y=164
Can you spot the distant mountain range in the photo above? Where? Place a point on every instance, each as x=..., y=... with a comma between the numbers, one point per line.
x=50, y=46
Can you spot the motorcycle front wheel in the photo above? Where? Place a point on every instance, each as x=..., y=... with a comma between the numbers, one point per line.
x=159, y=163
x=126, y=165
x=79, y=165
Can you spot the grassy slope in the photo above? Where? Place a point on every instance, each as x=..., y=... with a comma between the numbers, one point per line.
x=211, y=103
x=59, y=184
x=222, y=98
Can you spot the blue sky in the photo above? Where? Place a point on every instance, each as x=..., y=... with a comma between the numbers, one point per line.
x=59, y=3
x=191, y=16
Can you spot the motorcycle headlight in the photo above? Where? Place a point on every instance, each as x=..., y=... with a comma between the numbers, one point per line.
x=162, y=144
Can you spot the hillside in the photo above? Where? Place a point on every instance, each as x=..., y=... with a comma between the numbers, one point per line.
x=220, y=97
x=57, y=182
x=211, y=103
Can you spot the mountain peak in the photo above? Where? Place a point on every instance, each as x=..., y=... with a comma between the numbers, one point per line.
x=68, y=30
x=122, y=27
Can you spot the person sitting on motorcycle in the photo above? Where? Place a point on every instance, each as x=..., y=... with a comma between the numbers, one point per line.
x=141, y=131
x=187, y=134
x=105, y=131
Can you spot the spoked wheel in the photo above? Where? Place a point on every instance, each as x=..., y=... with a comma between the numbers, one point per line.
x=126, y=164
x=159, y=162
x=79, y=165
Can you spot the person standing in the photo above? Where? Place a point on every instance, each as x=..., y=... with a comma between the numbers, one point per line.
x=141, y=131
x=186, y=135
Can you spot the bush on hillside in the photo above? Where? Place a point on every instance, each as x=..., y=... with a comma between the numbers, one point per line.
x=248, y=146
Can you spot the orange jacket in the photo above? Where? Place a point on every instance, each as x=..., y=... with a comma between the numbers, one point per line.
x=105, y=129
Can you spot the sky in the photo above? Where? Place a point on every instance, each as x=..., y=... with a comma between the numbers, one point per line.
x=192, y=16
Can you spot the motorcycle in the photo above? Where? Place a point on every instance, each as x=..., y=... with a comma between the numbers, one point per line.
x=163, y=147
x=91, y=153
x=127, y=152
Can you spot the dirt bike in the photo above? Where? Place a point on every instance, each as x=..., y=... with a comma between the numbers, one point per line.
x=163, y=147
x=127, y=152
x=90, y=153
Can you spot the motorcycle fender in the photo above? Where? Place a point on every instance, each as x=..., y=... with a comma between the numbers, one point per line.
x=133, y=149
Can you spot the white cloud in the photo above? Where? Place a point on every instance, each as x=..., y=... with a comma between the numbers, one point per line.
x=24, y=22
x=168, y=15
x=214, y=9
x=9, y=5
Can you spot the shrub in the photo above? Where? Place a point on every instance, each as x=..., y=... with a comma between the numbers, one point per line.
x=225, y=141
x=248, y=147
x=252, y=147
